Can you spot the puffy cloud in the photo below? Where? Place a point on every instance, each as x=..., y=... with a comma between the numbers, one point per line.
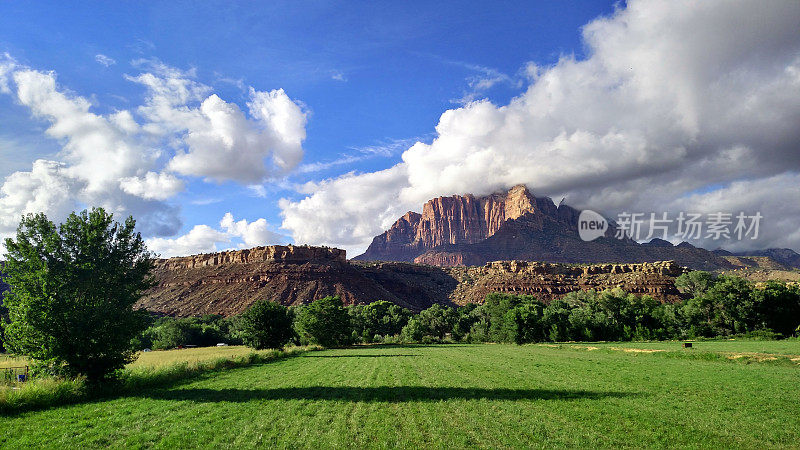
x=205, y=239
x=675, y=97
x=97, y=152
x=99, y=149
x=200, y=239
x=45, y=188
x=129, y=162
x=334, y=214
x=152, y=186
x=252, y=234
x=218, y=140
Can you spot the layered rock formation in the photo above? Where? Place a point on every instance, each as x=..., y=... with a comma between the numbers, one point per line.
x=468, y=230
x=227, y=283
x=548, y=281
x=273, y=253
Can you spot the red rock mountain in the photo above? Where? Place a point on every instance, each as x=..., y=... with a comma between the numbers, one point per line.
x=469, y=230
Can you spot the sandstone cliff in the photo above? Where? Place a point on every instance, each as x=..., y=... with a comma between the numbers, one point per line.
x=548, y=281
x=227, y=283
x=468, y=230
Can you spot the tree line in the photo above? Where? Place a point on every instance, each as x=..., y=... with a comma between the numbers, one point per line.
x=718, y=307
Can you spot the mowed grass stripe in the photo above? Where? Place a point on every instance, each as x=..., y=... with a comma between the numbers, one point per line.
x=444, y=396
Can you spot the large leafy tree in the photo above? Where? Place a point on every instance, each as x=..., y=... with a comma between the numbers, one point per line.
x=73, y=287
x=324, y=322
x=266, y=324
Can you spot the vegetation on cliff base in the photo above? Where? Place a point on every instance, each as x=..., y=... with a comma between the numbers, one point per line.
x=724, y=306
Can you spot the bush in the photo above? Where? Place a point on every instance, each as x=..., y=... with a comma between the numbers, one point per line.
x=265, y=325
x=324, y=322
x=166, y=333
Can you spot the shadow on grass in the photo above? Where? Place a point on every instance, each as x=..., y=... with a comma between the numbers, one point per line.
x=377, y=394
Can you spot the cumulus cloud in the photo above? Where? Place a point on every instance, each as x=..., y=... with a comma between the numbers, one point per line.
x=45, y=188
x=252, y=234
x=97, y=151
x=200, y=239
x=674, y=98
x=205, y=239
x=152, y=186
x=131, y=162
x=218, y=140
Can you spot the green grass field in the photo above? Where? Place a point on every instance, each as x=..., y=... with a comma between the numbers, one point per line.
x=452, y=396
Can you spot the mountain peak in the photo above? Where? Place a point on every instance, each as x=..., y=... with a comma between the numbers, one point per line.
x=470, y=230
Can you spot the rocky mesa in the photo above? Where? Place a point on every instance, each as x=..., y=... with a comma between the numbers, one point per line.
x=227, y=283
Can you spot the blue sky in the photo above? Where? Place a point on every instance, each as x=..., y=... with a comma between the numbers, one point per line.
x=371, y=78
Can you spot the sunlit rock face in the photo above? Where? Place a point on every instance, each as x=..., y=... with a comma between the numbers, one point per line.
x=465, y=230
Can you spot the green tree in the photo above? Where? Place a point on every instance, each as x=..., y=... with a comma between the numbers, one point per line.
x=695, y=283
x=73, y=287
x=324, y=322
x=432, y=324
x=524, y=323
x=265, y=324
x=778, y=308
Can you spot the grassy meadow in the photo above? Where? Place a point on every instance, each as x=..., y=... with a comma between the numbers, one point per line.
x=454, y=396
x=162, y=358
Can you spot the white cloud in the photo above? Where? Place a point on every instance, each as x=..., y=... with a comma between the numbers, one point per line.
x=7, y=65
x=347, y=211
x=153, y=186
x=129, y=162
x=205, y=239
x=673, y=97
x=218, y=140
x=200, y=239
x=252, y=234
x=45, y=188
x=104, y=60
x=96, y=152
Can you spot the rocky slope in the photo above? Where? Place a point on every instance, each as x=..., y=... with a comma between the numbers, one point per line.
x=783, y=256
x=468, y=230
x=228, y=283
x=547, y=281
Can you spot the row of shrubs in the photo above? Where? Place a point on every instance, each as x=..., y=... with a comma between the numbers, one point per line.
x=718, y=306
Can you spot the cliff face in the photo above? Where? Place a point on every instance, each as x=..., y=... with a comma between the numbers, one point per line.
x=467, y=219
x=452, y=220
x=547, y=281
x=227, y=283
x=272, y=253
x=465, y=230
